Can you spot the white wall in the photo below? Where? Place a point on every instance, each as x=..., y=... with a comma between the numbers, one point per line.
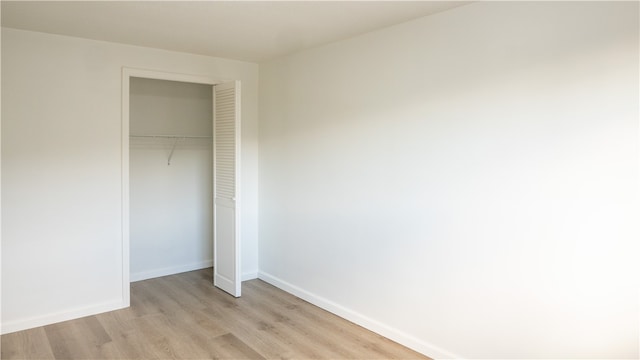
x=466, y=183
x=170, y=205
x=62, y=168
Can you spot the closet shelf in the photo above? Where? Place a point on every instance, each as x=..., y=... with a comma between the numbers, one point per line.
x=176, y=137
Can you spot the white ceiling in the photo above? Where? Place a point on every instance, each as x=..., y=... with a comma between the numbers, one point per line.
x=242, y=30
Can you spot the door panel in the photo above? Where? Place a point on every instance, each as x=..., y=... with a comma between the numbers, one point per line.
x=226, y=189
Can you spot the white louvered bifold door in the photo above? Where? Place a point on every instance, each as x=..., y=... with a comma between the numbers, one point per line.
x=226, y=181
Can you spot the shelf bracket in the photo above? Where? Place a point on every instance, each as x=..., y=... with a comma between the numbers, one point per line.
x=172, y=150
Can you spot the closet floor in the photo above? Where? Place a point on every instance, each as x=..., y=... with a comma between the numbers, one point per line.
x=184, y=317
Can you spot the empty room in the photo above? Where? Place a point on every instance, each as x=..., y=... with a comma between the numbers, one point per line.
x=320, y=180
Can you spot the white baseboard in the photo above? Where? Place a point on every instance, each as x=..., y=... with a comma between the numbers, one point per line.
x=249, y=275
x=389, y=332
x=29, y=323
x=144, y=275
x=150, y=274
x=24, y=324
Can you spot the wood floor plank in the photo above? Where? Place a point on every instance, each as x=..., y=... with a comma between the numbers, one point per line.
x=143, y=303
x=316, y=342
x=259, y=334
x=364, y=342
x=166, y=342
x=69, y=341
x=329, y=343
x=119, y=327
x=230, y=347
x=184, y=317
x=28, y=344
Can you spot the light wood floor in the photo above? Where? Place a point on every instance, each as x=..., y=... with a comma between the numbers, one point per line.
x=184, y=317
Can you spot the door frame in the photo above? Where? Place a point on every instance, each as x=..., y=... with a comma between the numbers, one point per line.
x=127, y=74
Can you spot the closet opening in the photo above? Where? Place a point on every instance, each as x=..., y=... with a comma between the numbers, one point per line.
x=180, y=145
x=170, y=177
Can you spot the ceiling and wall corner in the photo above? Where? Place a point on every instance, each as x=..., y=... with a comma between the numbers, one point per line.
x=252, y=31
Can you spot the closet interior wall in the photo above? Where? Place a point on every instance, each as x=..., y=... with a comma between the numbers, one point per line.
x=170, y=177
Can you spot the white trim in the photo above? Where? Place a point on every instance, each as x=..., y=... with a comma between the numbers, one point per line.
x=126, y=288
x=127, y=74
x=150, y=274
x=387, y=331
x=0, y=182
x=29, y=323
x=238, y=199
x=171, y=76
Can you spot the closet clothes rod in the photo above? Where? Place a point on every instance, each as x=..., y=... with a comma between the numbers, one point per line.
x=171, y=136
x=176, y=137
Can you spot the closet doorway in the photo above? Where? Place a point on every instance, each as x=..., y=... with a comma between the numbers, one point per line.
x=181, y=152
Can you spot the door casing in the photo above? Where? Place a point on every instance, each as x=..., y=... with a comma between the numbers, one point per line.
x=127, y=74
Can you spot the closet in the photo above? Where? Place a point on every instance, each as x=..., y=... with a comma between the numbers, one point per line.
x=170, y=177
